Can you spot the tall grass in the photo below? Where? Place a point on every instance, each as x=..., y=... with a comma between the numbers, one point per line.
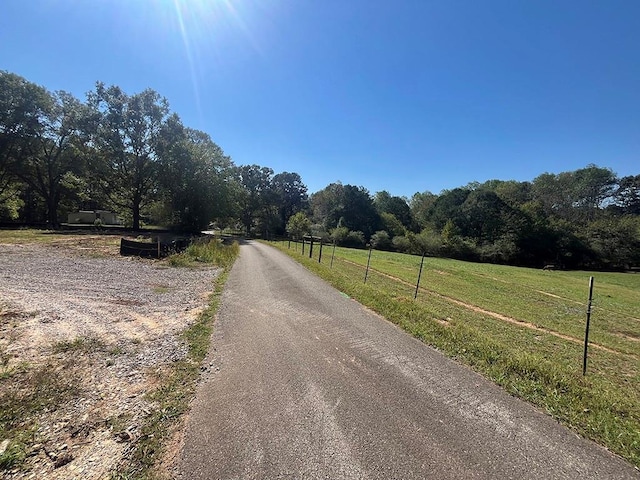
x=206, y=251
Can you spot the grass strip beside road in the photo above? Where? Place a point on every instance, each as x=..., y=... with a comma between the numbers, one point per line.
x=531, y=364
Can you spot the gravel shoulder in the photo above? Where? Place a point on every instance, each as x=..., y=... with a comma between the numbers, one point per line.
x=105, y=325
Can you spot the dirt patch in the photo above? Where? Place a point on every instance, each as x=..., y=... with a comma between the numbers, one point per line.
x=100, y=324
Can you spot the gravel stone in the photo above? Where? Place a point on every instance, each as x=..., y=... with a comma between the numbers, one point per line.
x=129, y=314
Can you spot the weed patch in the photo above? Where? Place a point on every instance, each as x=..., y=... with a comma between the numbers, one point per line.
x=207, y=251
x=23, y=396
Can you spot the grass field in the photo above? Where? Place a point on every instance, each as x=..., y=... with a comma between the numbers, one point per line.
x=523, y=328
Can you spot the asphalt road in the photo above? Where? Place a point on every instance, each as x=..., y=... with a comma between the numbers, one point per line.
x=306, y=383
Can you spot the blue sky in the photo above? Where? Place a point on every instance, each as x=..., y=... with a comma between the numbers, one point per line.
x=405, y=95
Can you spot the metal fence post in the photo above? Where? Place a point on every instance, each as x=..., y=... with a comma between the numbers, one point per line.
x=586, y=333
x=366, y=273
x=333, y=254
x=415, y=295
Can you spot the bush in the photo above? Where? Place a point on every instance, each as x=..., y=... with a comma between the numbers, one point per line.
x=381, y=240
x=355, y=240
x=402, y=244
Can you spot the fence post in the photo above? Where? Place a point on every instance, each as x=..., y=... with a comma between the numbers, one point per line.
x=586, y=333
x=333, y=254
x=320, y=254
x=302, y=245
x=415, y=295
x=366, y=273
x=311, y=247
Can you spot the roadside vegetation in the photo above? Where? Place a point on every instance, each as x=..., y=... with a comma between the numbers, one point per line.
x=206, y=252
x=523, y=328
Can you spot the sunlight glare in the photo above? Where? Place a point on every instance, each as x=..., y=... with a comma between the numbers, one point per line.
x=206, y=28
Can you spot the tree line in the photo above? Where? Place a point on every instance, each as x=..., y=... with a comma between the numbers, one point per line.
x=587, y=218
x=130, y=154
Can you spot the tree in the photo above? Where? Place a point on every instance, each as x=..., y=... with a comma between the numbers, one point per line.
x=194, y=175
x=391, y=224
x=127, y=139
x=615, y=241
x=257, y=198
x=397, y=206
x=421, y=205
x=290, y=195
x=298, y=225
x=627, y=195
x=23, y=105
x=56, y=154
x=348, y=205
x=447, y=207
x=575, y=196
x=381, y=240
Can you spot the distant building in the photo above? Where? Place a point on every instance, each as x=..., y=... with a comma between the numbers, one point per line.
x=91, y=217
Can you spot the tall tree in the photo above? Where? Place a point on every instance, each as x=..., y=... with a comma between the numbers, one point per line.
x=257, y=204
x=420, y=206
x=627, y=195
x=575, y=196
x=194, y=175
x=346, y=205
x=127, y=140
x=55, y=156
x=290, y=195
x=23, y=105
x=397, y=206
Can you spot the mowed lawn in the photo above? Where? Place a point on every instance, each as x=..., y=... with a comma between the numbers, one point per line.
x=522, y=327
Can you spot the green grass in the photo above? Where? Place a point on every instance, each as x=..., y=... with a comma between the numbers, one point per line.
x=536, y=353
x=177, y=382
x=29, y=235
x=24, y=394
x=78, y=344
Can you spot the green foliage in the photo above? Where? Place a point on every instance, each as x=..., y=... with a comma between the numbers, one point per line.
x=345, y=206
x=381, y=240
x=298, y=226
x=195, y=178
x=391, y=224
x=78, y=344
x=127, y=137
x=355, y=240
x=396, y=206
x=290, y=196
x=339, y=235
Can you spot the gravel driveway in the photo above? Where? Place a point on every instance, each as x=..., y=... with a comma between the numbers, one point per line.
x=126, y=313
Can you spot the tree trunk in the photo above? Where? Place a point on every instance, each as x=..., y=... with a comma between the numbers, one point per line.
x=136, y=215
x=52, y=211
